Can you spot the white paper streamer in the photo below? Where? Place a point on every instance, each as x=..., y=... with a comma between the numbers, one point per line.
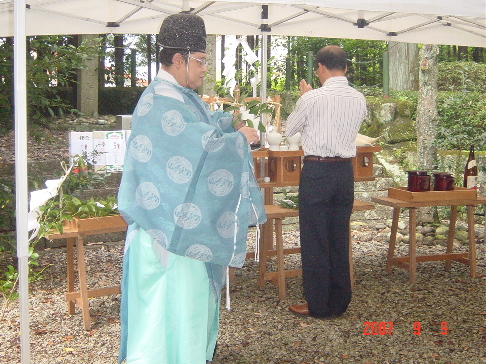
x=229, y=61
x=39, y=198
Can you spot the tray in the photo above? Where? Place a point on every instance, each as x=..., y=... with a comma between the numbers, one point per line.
x=458, y=193
x=92, y=224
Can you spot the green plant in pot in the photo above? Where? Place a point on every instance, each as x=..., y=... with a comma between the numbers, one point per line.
x=68, y=204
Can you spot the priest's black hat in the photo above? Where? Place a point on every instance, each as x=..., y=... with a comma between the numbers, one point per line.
x=183, y=31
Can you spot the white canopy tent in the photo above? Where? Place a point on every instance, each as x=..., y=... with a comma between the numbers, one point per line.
x=414, y=21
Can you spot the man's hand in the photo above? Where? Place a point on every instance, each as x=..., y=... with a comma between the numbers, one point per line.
x=251, y=134
x=304, y=87
x=239, y=125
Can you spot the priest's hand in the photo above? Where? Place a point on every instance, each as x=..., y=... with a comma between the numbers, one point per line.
x=251, y=134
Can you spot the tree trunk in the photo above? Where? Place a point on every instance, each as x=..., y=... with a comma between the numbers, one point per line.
x=427, y=118
x=149, y=58
x=223, y=50
x=478, y=55
x=209, y=80
x=403, y=66
x=119, y=64
x=101, y=63
x=462, y=53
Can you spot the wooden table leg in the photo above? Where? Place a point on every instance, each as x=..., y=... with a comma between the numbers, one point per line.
x=70, y=272
x=412, y=245
x=280, y=259
x=266, y=239
x=472, y=241
x=266, y=242
x=393, y=240
x=450, y=235
x=83, y=288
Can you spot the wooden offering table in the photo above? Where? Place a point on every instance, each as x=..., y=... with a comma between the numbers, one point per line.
x=75, y=233
x=401, y=198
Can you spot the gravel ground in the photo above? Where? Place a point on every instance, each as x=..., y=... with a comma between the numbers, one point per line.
x=260, y=329
x=50, y=145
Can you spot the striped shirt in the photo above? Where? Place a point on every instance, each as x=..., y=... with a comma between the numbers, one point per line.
x=329, y=118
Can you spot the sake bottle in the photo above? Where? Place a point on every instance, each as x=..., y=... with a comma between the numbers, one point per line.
x=471, y=170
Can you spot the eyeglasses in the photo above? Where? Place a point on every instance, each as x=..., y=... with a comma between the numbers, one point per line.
x=202, y=62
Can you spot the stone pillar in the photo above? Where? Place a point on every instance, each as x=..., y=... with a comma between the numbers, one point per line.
x=87, y=97
x=207, y=87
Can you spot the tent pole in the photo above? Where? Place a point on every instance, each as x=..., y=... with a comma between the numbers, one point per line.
x=21, y=188
x=263, y=84
x=263, y=80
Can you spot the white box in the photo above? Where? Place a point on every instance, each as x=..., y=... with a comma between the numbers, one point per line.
x=115, y=150
x=124, y=122
x=99, y=148
x=80, y=145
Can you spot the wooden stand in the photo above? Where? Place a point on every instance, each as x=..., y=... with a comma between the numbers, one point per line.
x=363, y=163
x=75, y=233
x=284, y=167
x=275, y=216
x=448, y=198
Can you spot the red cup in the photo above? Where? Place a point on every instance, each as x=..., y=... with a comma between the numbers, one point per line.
x=443, y=181
x=418, y=181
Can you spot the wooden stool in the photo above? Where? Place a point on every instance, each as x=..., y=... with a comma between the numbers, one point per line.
x=275, y=215
x=75, y=235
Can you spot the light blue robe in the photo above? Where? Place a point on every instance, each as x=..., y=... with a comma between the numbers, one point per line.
x=188, y=188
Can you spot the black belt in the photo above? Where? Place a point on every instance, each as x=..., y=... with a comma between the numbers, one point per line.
x=316, y=158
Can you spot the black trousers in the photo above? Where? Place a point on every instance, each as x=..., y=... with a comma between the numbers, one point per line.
x=326, y=196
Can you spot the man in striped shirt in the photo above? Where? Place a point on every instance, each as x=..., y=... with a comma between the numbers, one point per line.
x=329, y=118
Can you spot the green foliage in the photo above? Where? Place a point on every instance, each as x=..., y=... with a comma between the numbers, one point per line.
x=288, y=100
x=7, y=205
x=118, y=100
x=83, y=177
x=91, y=207
x=370, y=90
x=290, y=201
x=6, y=85
x=254, y=107
x=8, y=285
x=66, y=207
x=462, y=76
x=68, y=203
x=365, y=56
x=453, y=53
x=462, y=117
x=10, y=278
x=51, y=61
x=406, y=103
x=462, y=120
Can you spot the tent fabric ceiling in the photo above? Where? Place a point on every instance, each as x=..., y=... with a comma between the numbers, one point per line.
x=413, y=21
